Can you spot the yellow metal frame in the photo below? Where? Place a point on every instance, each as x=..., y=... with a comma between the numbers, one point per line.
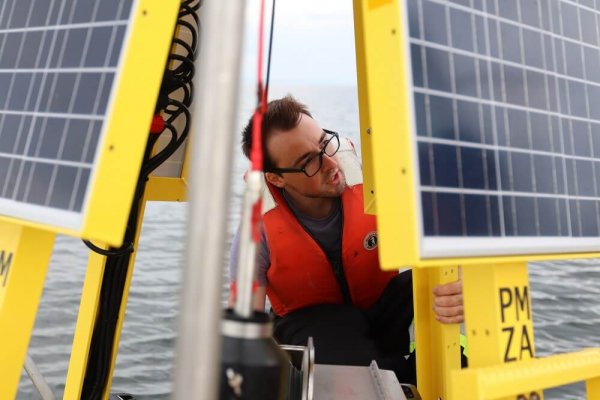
x=497, y=301
x=438, y=346
x=166, y=189
x=132, y=109
x=390, y=192
x=88, y=309
x=127, y=124
x=525, y=377
x=388, y=150
x=386, y=128
x=24, y=256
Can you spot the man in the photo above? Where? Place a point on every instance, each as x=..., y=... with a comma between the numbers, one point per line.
x=318, y=260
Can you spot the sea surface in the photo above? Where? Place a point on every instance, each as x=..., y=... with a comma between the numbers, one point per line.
x=565, y=294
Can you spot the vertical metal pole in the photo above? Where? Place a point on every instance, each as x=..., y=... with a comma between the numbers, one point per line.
x=214, y=114
x=246, y=264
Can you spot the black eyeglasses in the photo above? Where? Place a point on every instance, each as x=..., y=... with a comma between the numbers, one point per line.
x=313, y=164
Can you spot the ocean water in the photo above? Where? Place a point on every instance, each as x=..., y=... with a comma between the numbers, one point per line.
x=565, y=294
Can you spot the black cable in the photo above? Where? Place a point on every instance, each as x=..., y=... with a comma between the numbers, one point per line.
x=270, y=50
x=126, y=249
x=177, y=80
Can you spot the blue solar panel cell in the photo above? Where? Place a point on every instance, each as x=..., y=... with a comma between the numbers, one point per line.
x=476, y=219
x=468, y=121
x=420, y=114
x=473, y=168
x=508, y=9
x=465, y=68
x=435, y=29
x=589, y=226
x=449, y=214
x=442, y=126
x=41, y=175
x=427, y=209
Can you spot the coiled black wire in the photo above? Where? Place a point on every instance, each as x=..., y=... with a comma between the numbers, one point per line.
x=177, y=83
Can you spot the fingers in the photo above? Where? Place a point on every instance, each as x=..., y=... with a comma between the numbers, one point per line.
x=448, y=311
x=449, y=314
x=457, y=319
x=448, y=289
x=448, y=303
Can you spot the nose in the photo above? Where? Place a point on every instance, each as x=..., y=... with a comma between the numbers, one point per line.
x=329, y=162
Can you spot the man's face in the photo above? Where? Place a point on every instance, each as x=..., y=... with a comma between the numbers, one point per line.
x=291, y=149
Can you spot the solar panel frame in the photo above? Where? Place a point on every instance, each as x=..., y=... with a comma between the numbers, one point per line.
x=446, y=246
x=99, y=210
x=389, y=114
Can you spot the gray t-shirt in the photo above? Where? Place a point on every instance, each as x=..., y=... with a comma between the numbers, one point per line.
x=327, y=232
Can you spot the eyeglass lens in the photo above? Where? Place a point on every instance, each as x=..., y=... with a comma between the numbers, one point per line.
x=314, y=164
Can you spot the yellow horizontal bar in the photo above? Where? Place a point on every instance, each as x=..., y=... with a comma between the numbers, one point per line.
x=166, y=189
x=525, y=376
x=442, y=262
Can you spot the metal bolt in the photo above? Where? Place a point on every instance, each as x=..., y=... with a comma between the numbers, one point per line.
x=234, y=380
x=534, y=396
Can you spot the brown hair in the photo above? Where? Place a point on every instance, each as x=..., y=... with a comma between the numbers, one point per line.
x=282, y=114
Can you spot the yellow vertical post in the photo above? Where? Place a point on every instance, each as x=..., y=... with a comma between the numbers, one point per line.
x=384, y=83
x=24, y=256
x=498, y=315
x=88, y=309
x=125, y=297
x=592, y=387
x=438, y=345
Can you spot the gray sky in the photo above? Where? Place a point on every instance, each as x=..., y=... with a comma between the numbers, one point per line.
x=313, y=43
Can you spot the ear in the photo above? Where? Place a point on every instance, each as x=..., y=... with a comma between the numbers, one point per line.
x=275, y=179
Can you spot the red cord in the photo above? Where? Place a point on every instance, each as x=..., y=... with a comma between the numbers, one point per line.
x=256, y=153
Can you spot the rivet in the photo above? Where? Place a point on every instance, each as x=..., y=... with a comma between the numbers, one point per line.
x=534, y=396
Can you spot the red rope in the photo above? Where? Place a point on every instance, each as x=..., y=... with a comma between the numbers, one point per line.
x=256, y=153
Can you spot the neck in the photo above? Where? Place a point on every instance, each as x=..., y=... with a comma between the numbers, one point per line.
x=314, y=207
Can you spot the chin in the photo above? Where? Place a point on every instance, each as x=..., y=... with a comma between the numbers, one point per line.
x=340, y=187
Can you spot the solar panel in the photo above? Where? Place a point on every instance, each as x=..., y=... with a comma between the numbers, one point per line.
x=60, y=62
x=506, y=97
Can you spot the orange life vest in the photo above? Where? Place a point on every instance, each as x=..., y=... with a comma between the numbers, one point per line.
x=300, y=275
